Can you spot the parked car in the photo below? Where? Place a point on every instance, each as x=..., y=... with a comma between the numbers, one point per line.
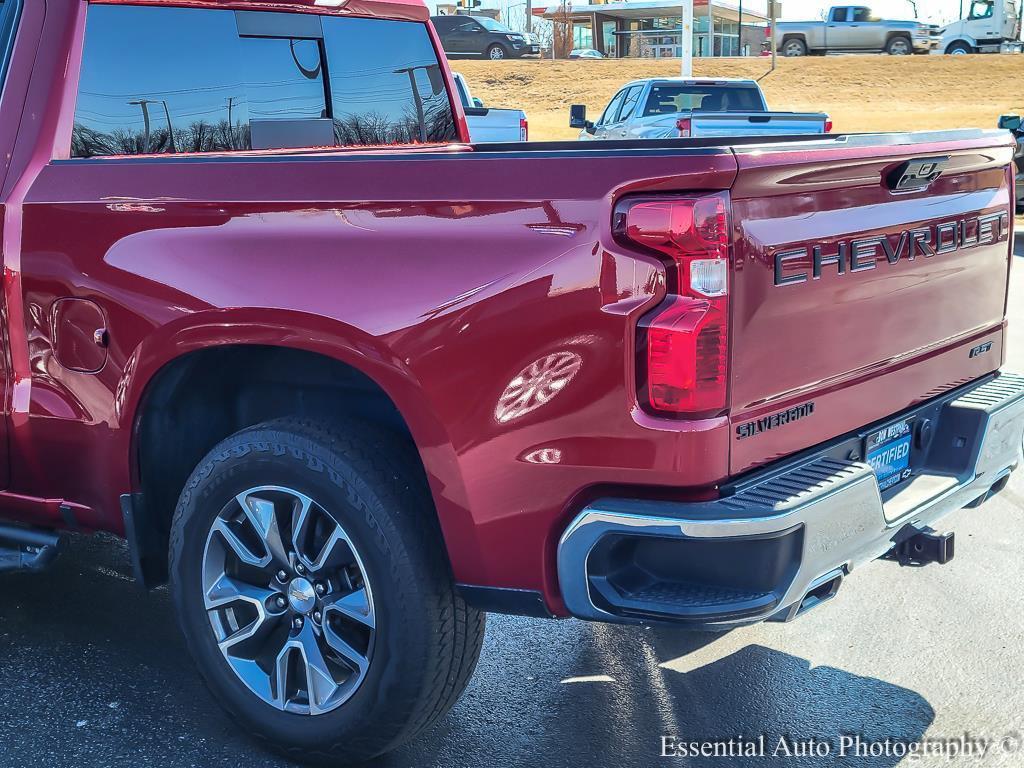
x=1012, y=123
x=487, y=124
x=345, y=380
x=585, y=53
x=483, y=37
x=659, y=108
x=853, y=28
x=990, y=26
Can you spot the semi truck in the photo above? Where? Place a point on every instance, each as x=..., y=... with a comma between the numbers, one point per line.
x=990, y=26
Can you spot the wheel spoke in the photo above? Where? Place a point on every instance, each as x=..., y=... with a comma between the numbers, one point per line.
x=227, y=589
x=320, y=683
x=355, y=606
x=351, y=656
x=281, y=666
x=337, y=550
x=263, y=517
x=240, y=548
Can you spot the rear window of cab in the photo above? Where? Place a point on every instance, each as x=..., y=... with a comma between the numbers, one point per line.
x=169, y=80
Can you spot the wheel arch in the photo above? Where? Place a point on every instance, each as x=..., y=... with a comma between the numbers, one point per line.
x=188, y=387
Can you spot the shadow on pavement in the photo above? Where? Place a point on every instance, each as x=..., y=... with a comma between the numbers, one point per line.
x=623, y=701
x=95, y=673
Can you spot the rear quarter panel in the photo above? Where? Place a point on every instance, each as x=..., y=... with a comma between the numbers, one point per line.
x=459, y=308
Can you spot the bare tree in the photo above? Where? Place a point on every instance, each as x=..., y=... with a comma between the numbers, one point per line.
x=562, y=33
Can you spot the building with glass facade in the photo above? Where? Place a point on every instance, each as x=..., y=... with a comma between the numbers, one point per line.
x=651, y=28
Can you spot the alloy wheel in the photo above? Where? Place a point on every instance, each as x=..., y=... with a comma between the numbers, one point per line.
x=288, y=600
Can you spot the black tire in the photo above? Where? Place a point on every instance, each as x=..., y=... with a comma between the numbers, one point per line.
x=496, y=52
x=415, y=674
x=959, y=47
x=901, y=44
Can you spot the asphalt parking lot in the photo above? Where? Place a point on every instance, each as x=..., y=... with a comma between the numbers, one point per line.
x=94, y=672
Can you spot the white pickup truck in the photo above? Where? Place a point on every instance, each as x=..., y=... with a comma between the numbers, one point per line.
x=486, y=124
x=662, y=108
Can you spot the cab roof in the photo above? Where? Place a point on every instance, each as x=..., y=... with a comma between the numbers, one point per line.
x=412, y=10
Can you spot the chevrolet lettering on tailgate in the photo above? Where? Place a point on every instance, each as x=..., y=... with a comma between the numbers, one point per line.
x=794, y=265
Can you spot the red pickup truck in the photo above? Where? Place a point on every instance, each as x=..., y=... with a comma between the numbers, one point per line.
x=346, y=381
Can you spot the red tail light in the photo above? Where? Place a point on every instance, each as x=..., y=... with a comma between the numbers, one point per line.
x=684, y=343
x=524, y=129
x=828, y=125
x=684, y=125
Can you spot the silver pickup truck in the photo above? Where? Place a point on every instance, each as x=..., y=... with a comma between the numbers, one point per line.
x=675, y=107
x=853, y=28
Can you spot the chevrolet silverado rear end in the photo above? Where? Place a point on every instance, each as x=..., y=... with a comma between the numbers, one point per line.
x=845, y=319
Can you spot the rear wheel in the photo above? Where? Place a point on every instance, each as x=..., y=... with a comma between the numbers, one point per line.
x=309, y=578
x=794, y=47
x=496, y=52
x=899, y=46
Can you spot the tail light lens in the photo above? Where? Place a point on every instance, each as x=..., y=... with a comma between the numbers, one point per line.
x=524, y=129
x=828, y=125
x=684, y=343
x=684, y=125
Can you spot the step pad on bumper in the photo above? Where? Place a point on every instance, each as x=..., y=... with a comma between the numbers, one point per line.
x=789, y=530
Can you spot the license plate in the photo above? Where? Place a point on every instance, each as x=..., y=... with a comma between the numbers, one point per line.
x=887, y=451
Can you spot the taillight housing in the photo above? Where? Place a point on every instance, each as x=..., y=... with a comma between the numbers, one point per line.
x=524, y=129
x=684, y=125
x=828, y=125
x=683, y=345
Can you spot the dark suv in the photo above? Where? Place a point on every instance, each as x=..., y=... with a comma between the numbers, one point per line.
x=482, y=36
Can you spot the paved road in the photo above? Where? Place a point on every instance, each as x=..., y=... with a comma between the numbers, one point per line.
x=94, y=673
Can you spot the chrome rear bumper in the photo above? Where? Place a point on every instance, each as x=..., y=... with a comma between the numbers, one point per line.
x=787, y=535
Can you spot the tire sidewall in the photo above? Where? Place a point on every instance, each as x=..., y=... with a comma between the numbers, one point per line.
x=798, y=46
x=900, y=39
x=488, y=54
x=397, y=661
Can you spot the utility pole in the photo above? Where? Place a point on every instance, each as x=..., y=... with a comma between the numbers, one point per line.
x=529, y=15
x=144, y=103
x=711, y=30
x=411, y=71
x=231, y=125
x=686, y=40
x=771, y=37
x=170, y=128
x=739, y=37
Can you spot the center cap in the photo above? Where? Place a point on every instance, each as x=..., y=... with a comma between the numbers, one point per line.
x=301, y=595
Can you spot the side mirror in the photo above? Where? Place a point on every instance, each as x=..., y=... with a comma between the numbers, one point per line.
x=578, y=116
x=1009, y=122
x=478, y=103
x=589, y=127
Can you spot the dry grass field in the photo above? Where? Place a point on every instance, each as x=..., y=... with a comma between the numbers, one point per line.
x=861, y=93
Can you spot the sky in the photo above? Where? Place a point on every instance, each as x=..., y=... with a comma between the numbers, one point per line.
x=942, y=11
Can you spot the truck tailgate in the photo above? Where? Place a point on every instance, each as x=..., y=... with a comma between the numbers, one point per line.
x=726, y=124
x=861, y=288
